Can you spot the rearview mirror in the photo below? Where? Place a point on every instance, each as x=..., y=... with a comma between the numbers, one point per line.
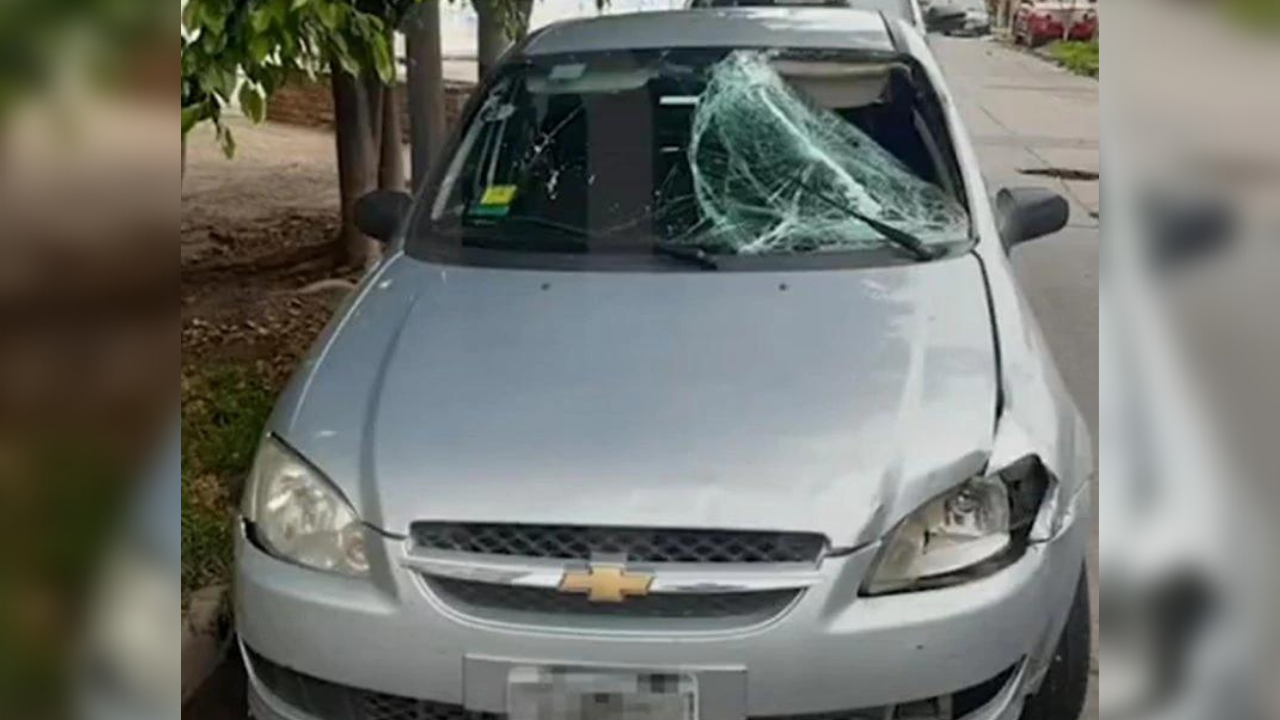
x=1028, y=213
x=943, y=18
x=379, y=213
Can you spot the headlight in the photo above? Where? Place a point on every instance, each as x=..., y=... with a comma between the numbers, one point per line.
x=294, y=513
x=967, y=532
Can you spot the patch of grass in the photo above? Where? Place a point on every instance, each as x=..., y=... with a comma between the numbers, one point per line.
x=1260, y=15
x=224, y=408
x=1080, y=57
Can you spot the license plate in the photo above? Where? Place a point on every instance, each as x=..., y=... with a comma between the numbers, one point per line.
x=538, y=693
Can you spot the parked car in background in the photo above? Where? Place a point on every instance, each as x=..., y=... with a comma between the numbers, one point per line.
x=977, y=18
x=1037, y=22
x=907, y=10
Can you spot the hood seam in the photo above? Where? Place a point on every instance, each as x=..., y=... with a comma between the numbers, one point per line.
x=995, y=337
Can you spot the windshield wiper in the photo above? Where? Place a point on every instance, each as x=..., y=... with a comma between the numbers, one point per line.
x=899, y=237
x=693, y=254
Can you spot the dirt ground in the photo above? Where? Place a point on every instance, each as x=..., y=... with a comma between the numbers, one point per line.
x=257, y=229
x=256, y=236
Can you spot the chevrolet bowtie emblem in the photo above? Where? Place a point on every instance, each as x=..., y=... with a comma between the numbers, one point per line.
x=606, y=583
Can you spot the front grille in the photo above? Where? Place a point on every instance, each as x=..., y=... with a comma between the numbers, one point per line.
x=505, y=598
x=637, y=545
x=330, y=701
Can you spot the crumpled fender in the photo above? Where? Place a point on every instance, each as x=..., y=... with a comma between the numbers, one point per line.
x=1037, y=415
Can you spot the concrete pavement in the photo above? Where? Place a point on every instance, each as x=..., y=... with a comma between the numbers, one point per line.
x=1026, y=114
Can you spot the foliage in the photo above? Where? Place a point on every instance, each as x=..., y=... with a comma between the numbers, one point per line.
x=1080, y=57
x=43, y=42
x=224, y=409
x=1260, y=15
x=247, y=48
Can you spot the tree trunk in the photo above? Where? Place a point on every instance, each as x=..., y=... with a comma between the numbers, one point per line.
x=426, y=89
x=525, y=8
x=357, y=121
x=391, y=164
x=491, y=37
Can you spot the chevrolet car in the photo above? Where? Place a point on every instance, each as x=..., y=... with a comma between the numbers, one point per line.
x=694, y=384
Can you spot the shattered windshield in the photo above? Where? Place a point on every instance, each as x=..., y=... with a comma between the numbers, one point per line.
x=731, y=152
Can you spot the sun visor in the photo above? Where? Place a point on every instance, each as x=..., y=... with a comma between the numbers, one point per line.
x=838, y=85
x=580, y=79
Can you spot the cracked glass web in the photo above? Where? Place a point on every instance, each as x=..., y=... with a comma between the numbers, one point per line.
x=772, y=171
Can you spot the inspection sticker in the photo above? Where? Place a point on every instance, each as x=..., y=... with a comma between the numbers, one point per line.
x=496, y=201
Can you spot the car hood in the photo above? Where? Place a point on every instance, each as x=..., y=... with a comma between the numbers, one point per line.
x=826, y=401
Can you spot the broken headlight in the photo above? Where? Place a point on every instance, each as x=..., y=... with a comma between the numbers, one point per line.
x=968, y=532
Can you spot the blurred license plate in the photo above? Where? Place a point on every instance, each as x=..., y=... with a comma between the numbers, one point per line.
x=538, y=693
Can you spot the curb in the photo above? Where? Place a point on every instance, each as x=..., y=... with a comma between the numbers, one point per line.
x=205, y=637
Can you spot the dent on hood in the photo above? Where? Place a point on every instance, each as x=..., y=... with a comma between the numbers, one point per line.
x=772, y=171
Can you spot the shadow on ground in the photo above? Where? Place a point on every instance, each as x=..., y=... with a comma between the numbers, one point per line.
x=223, y=696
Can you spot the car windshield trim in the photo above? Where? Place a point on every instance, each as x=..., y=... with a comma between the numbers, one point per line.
x=441, y=218
x=491, y=255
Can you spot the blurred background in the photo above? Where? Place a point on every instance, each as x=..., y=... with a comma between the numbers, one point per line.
x=1189, y=429
x=88, y=358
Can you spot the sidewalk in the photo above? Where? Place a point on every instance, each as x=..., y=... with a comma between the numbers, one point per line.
x=1023, y=113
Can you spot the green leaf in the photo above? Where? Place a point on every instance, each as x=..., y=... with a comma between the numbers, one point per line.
x=349, y=65
x=191, y=14
x=212, y=18
x=259, y=48
x=252, y=102
x=384, y=64
x=342, y=53
x=192, y=115
x=212, y=79
x=227, y=142
x=260, y=20
x=289, y=44
x=330, y=14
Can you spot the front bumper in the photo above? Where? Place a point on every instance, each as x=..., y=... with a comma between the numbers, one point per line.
x=974, y=29
x=830, y=651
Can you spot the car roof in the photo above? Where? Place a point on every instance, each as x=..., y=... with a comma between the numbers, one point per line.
x=894, y=8
x=825, y=28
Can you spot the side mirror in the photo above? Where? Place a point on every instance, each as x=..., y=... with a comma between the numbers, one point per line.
x=379, y=213
x=1187, y=227
x=943, y=19
x=1028, y=213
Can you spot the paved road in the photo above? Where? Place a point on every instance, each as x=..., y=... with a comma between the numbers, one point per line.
x=1025, y=114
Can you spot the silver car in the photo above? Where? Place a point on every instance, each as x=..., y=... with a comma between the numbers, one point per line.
x=695, y=384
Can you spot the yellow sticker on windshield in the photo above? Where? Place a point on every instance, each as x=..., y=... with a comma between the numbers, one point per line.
x=498, y=195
